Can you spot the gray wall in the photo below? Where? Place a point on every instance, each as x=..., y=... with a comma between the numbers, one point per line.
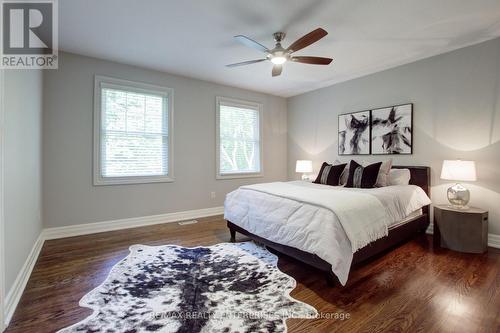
x=456, y=100
x=22, y=173
x=69, y=197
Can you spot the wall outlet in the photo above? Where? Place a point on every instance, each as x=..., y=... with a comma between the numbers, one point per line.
x=212, y=195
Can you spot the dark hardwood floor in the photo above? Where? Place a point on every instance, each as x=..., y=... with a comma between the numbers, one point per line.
x=413, y=288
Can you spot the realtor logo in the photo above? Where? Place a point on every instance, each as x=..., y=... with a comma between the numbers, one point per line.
x=29, y=34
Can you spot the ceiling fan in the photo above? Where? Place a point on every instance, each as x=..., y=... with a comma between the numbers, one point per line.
x=279, y=55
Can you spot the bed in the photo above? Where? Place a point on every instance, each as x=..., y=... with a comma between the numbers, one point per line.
x=403, y=220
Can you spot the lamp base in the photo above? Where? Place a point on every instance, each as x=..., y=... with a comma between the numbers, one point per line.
x=305, y=177
x=458, y=196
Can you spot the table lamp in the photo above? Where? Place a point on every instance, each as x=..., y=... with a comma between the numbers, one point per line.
x=304, y=167
x=459, y=170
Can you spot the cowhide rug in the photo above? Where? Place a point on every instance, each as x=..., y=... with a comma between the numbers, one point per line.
x=221, y=288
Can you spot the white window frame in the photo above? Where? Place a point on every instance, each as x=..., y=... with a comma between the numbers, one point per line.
x=137, y=87
x=241, y=104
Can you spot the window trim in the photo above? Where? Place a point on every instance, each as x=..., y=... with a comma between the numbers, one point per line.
x=238, y=103
x=138, y=87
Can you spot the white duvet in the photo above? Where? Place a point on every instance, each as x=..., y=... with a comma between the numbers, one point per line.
x=331, y=222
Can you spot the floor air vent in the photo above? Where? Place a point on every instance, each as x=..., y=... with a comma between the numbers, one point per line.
x=188, y=222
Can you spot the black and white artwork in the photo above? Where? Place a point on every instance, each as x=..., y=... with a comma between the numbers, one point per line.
x=354, y=133
x=391, y=130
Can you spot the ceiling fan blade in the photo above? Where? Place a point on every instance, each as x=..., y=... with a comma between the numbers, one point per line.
x=251, y=43
x=277, y=70
x=245, y=63
x=307, y=40
x=312, y=60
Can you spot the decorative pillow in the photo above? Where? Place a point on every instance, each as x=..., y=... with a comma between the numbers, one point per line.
x=383, y=173
x=330, y=174
x=344, y=175
x=362, y=177
x=399, y=177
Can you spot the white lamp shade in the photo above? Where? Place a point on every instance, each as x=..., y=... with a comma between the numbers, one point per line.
x=459, y=170
x=303, y=166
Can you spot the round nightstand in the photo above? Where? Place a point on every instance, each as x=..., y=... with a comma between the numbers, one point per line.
x=463, y=230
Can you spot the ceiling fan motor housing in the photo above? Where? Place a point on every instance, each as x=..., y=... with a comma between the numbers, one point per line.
x=279, y=36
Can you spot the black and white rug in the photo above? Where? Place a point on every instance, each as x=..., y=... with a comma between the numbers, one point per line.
x=221, y=288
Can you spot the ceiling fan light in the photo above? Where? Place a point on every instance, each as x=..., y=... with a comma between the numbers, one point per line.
x=278, y=60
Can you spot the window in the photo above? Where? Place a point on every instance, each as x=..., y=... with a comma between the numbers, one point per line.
x=132, y=132
x=239, y=145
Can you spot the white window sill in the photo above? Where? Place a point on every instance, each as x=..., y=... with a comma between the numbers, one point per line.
x=239, y=175
x=132, y=180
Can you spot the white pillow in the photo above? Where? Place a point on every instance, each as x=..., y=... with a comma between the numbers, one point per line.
x=383, y=173
x=399, y=177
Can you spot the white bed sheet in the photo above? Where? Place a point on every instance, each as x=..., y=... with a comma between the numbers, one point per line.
x=312, y=228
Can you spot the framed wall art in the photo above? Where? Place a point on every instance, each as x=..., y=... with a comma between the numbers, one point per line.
x=392, y=130
x=354, y=133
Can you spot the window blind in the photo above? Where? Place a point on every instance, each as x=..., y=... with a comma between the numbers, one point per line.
x=134, y=134
x=239, y=139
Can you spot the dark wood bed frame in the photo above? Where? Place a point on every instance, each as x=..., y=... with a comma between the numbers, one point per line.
x=420, y=176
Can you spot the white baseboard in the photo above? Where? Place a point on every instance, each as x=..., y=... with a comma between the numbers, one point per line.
x=493, y=240
x=92, y=228
x=15, y=293
x=17, y=289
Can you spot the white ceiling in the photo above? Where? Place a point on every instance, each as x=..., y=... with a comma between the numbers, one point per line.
x=194, y=38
